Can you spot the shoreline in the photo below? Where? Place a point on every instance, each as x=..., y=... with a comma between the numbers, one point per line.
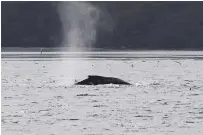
x=135, y=54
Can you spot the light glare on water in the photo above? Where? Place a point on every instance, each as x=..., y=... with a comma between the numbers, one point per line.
x=166, y=97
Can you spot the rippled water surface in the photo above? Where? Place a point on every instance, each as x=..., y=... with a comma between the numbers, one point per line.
x=166, y=97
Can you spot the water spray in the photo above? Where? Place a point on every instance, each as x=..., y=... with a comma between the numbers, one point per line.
x=79, y=22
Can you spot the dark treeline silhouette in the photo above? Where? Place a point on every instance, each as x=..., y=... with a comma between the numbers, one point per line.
x=128, y=25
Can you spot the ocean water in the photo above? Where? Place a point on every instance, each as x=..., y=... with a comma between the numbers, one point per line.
x=39, y=95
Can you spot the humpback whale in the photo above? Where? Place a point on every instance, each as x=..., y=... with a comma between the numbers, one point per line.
x=98, y=80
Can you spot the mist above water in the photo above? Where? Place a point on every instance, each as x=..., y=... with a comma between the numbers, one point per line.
x=79, y=23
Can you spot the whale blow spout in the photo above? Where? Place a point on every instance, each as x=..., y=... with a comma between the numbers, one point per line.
x=98, y=80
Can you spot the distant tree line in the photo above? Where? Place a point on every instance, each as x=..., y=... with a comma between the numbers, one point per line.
x=128, y=25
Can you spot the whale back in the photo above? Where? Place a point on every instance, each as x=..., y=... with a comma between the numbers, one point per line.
x=96, y=80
